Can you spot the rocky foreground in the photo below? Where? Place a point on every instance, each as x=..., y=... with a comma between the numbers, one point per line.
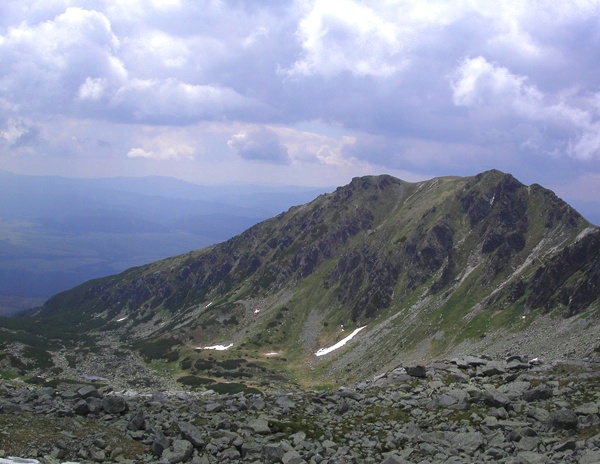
x=461, y=411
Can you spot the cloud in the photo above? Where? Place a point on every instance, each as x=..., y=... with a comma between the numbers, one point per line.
x=20, y=134
x=46, y=63
x=163, y=147
x=259, y=144
x=338, y=87
x=498, y=93
x=75, y=64
x=344, y=35
x=476, y=82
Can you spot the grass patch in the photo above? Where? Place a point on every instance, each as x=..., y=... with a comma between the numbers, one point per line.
x=233, y=388
x=194, y=382
x=157, y=349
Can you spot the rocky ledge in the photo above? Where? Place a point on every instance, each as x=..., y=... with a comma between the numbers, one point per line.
x=465, y=410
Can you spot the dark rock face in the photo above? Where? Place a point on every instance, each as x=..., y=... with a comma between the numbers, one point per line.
x=582, y=261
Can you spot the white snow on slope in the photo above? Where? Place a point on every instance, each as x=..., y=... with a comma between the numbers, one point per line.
x=215, y=347
x=339, y=344
x=122, y=319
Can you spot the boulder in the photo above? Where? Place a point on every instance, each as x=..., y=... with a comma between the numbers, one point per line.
x=114, y=404
x=191, y=433
x=160, y=443
x=417, y=371
x=563, y=419
x=181, y=451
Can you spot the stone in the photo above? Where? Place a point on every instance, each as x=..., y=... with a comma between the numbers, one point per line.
x=285, y=403
x=541, y=392
x=493, y=397
x=214, y=407
x=292, y=457
x=468, y=441
x=137, y=421
x=231, y=454
x=81, y=408
x=88, y=392
x=493, y=368
x=475, y=361
x=191, y=433
x=160, y=443
x=563, y=419
x=590, y=457
x=273, y=453
x=98, y=455
x=417, y=371
x=181, y=451
x=114, y=404
x=259, y=425
x=394, y=459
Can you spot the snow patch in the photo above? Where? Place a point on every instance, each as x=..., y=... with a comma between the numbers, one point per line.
x=256, y=311
x=274, y=353
x=208, y=305
x=215, y=347
x=122, y=319
x=339, y=344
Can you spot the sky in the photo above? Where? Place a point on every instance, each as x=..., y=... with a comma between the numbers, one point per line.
x=303, y=92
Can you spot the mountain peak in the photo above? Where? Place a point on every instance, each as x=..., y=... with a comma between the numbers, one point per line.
x=427, y=267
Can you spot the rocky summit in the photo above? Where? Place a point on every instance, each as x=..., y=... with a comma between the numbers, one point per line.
x=465, y=410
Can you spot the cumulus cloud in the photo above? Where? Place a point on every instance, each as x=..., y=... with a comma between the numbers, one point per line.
x=163, y=147
x=477, y=83
x=438, y=87
x=46, y=63
x=344, y=35
x=259, y=144
x=20, y=134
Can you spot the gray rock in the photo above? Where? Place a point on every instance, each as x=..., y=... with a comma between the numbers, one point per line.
x=231, y=454
x=191, y=433
x=273, y=453
x=285, y=403
x=88, y=392
x=493, y=397
x=214, y=407
x=530, y=457
x=417, y=371
x=137, y=421
x=292, y=457
x=259, y=425
x=182, y=450
x=590, y=457
x=394, y=459
x=564, y=419
x=541, y=392
x=468, y=441
x=114, y=404
x=81, y=408
x=493, y=368
x=160, y=443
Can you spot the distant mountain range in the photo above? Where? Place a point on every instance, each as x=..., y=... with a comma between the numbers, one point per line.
x=58, y=232
x=425, y=270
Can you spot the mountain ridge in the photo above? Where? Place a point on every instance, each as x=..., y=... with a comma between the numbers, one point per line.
x=427, y=267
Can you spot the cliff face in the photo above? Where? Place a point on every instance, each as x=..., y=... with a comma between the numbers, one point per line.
x=428, y=264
